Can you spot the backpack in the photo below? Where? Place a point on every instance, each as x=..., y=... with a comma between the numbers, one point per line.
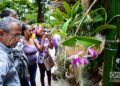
x=20, y=61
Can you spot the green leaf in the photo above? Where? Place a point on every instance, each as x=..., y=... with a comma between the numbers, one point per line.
x=96, y=11
x=67, y=8
x=65, y=25
x=57, y=17
x=86, y=41
x=57, y=23
x=116, y=16
x=70, y=42
x=60, y=32
x=97, y=18
x=77, y=19
x=75, y=8
x=103, y=27
x=62, y=14
x=46, y=25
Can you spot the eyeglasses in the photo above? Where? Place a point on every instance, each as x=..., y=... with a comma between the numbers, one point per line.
x=16, y=35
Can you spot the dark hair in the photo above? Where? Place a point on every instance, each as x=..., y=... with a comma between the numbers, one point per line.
x=6, y=12
x=23, y=29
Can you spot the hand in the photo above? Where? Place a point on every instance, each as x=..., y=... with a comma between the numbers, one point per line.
x=48, y=36
x=28, y=76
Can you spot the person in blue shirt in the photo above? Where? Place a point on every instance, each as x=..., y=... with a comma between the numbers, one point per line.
x=43, y=43
x=20, y=59
x=10, y=33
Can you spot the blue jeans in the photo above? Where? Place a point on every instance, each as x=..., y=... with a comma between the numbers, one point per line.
x=32, y=71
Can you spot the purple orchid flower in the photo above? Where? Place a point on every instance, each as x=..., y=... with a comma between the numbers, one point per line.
x=75, y=60
x=92, y=52
x=84, y=61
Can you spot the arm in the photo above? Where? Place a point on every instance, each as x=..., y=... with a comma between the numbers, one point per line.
x=50, y=43
x=39, y=47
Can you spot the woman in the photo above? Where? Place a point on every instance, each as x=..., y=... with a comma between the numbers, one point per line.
x=30, y=51
x=41, y=37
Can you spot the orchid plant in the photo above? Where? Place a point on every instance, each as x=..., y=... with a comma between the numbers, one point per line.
x=76, y=26
x=79, y=27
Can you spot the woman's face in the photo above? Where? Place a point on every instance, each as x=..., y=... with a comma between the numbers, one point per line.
x=40, y=32
x=28, y=32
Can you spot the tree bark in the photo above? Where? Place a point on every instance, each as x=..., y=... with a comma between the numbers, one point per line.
x=40, y=17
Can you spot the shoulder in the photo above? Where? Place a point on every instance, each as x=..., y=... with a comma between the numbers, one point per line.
x=3, y=54
x=3, y=62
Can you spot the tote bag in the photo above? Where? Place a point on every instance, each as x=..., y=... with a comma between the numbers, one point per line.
x=48, y=62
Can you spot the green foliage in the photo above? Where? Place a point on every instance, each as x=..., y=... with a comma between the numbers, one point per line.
x=60, y=32
x=86, y=41
x=65, y=19
x=65, y=25
x=67, y=8
x=75, y=9
x=98, y=14
x=103, y=27
x=24, y=8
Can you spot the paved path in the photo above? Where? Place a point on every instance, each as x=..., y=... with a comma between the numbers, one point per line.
x=60, y=82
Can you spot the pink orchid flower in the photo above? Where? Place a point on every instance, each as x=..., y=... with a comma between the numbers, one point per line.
x=92, y=52
x=84, y=61
x=75, y=60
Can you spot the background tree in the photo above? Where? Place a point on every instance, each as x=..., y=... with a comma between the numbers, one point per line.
x=25, y=8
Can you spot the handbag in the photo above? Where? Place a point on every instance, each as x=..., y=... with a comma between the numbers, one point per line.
x=48, y=62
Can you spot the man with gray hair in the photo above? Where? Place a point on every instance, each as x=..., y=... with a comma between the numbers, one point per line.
x=8, y=12
x=10, y=33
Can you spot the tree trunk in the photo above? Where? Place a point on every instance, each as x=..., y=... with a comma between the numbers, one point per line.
x=40, y=17
x=111, y=44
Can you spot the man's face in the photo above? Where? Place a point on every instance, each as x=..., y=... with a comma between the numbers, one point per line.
x=13, y=36
x=14, y=15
